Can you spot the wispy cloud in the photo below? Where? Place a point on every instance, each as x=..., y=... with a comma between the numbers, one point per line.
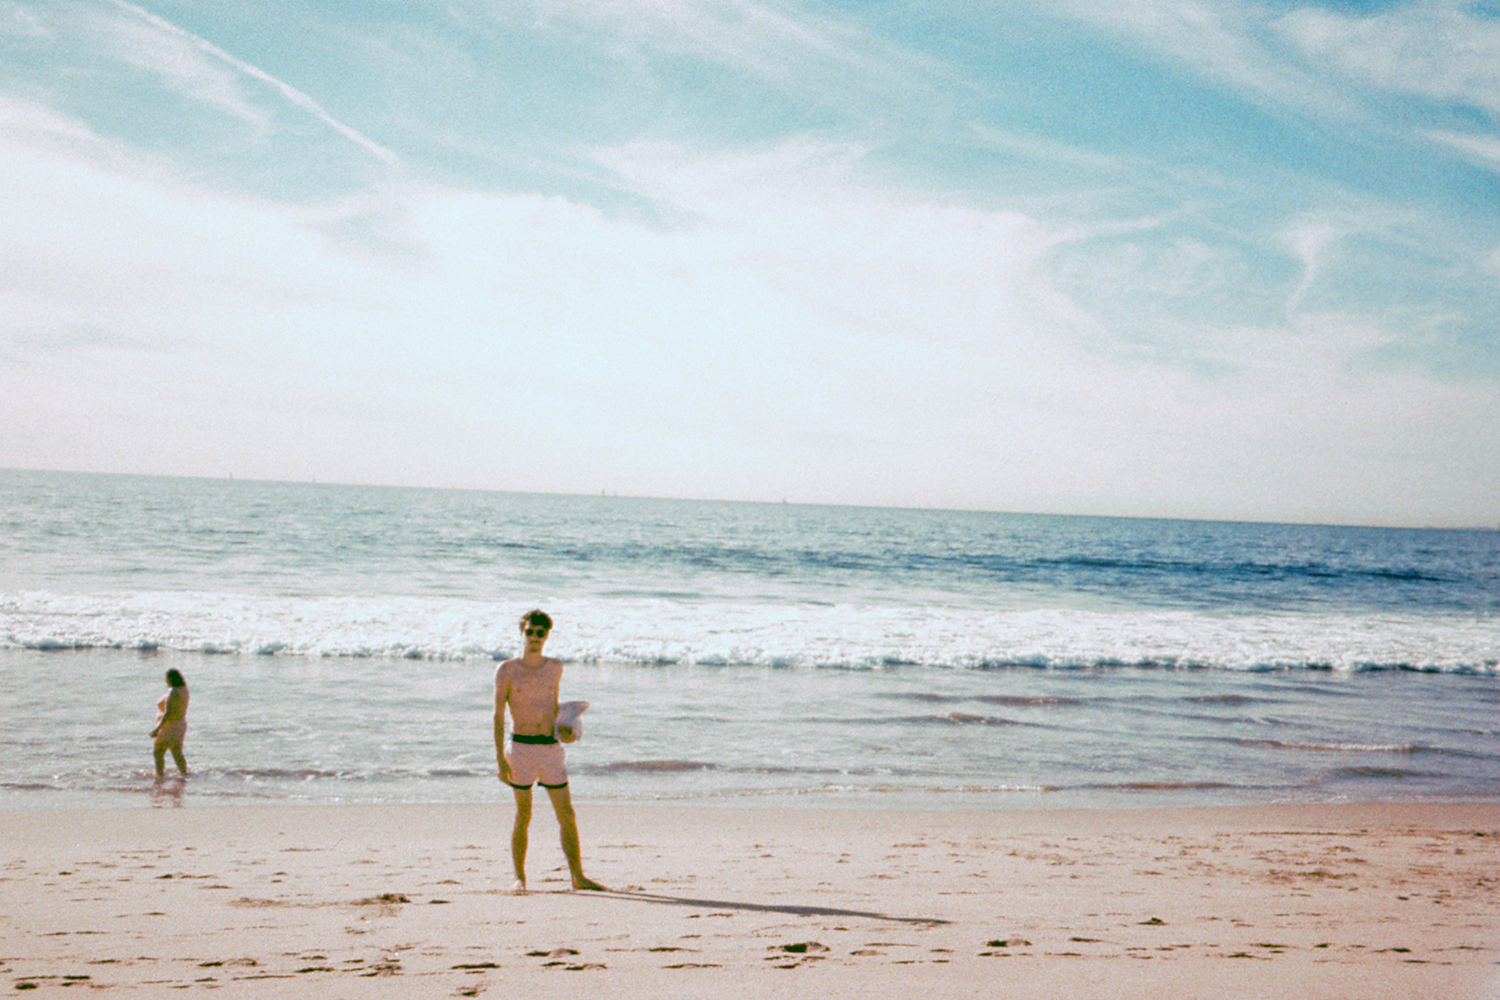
x=184, y=64
x=746, y=35
x=1226, y=42
x=27, y=122
x=200, y=70
x=1441, y=50
x=1484, y=149
x=1308, y=241
x=23, y=23
x=1329, y=63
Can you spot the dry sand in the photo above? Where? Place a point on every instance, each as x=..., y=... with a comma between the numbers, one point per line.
x=1358, y=901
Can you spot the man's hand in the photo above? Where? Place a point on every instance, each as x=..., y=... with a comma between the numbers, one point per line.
x=505, y=771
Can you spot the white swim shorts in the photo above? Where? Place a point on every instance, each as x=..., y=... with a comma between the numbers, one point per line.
x=537, y=763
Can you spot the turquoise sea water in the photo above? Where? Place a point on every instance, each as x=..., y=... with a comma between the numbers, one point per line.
x=339, y=642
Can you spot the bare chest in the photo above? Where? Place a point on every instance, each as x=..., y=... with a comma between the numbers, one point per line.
x=531, y=693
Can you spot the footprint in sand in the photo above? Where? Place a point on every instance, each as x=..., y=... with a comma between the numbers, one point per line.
x=560, y=958
x=1001, y=947
x=810, y=951
x=802, y=947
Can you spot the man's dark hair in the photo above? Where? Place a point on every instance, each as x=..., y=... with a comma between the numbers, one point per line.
x=537, y=618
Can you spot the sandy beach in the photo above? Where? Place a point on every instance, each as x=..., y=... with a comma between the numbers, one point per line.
x=1356, y=901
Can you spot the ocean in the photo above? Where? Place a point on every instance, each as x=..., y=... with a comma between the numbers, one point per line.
x=340, y=642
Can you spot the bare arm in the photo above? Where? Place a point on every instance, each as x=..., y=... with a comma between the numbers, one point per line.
x=169, y=709
x=502, y=695
x=555, y=701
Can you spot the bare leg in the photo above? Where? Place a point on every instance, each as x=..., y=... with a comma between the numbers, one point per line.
x=518, y=837
x=181, y=761
x=567, y=824
x=160, y=753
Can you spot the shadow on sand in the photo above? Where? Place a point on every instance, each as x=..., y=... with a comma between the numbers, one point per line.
x=797, y=911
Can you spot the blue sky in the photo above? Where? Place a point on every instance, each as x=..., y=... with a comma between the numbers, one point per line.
x=1188, y=258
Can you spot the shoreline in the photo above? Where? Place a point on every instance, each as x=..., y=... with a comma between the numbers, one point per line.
x=1368, y=900
x=903, y=737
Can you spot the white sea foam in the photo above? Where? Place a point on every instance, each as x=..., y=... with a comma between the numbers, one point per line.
x=657, y=631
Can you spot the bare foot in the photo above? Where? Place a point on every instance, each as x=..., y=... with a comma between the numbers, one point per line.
x=518, y=887
x=588, y=884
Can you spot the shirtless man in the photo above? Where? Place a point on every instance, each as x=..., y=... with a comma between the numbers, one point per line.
x=528, y=685
x=171, y=724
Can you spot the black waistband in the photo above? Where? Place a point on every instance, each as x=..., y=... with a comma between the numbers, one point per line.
x=519, y=738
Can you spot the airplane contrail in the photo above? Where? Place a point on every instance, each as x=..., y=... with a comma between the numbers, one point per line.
x=291, y=93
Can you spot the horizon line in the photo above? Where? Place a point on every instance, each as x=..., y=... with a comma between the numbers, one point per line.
x=229, y=477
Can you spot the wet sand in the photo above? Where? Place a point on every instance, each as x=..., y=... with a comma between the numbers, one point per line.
x=1356, y=901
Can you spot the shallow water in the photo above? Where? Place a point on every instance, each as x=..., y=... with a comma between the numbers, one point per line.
x=374, y=730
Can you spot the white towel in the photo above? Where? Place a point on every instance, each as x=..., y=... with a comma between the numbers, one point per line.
x=569, y=725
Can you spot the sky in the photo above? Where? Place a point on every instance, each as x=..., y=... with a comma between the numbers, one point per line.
x=1166, y=258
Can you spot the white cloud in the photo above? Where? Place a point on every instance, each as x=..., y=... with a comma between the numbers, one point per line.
x=820, y=60
x=1223, y=42
x=1309, y=241
x=27, y=122
x=1483, y=149
x=863, y=255
x=1437, y=50
x=787, y=314
x=1318, y=59
x=107, y=221
x=741, y=33
x=23, y=23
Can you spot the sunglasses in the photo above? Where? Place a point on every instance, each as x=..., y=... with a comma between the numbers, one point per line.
x=536, y=633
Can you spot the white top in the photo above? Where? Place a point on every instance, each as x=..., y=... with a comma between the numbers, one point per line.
x=569, y=725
